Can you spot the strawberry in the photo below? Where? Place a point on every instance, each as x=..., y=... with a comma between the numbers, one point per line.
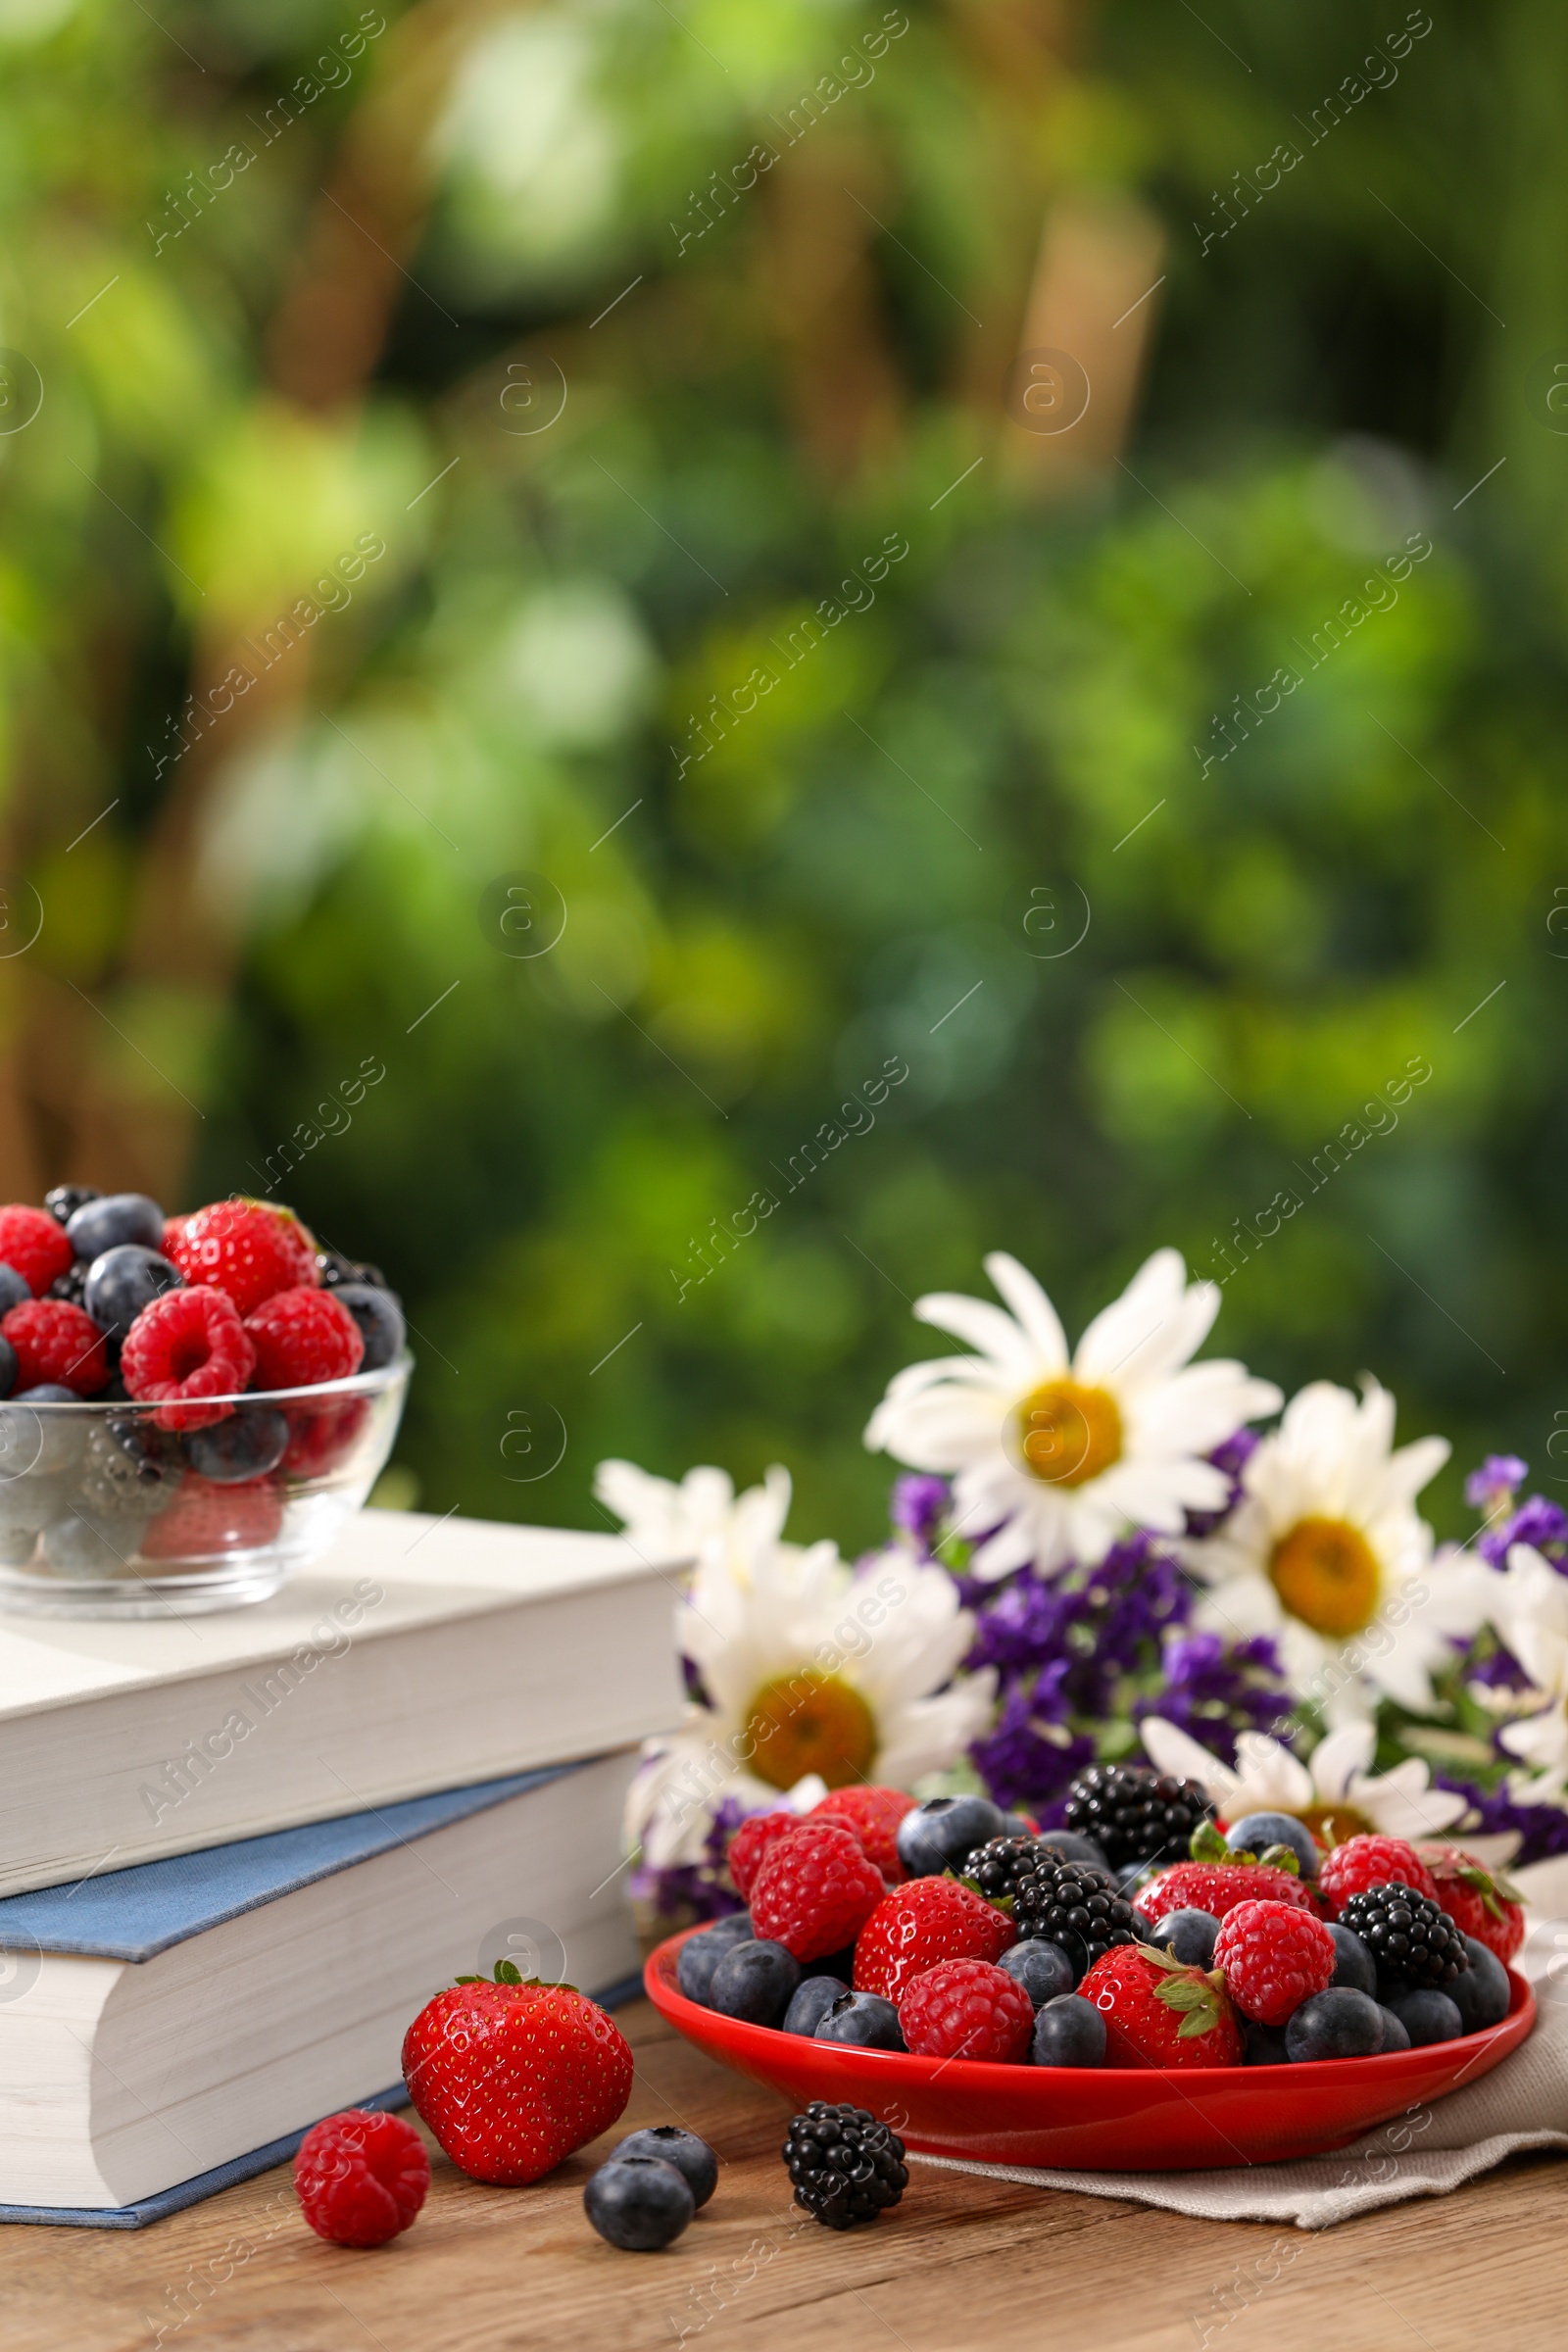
x=1369, y=1861
x=814, y=1891
x=873, y=1816
x=204, y=1518
x=249, y=1250
x=1159, y=2013
x=1478, y=1901
x=922, y=1922
x=750, y=1844
x=1216, y=1880
x=513, y=2076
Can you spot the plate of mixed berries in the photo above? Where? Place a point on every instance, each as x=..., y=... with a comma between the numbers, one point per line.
x=1145, y=1991
x=190, y=1406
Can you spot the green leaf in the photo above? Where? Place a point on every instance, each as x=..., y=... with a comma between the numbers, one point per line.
x=1208, y=1846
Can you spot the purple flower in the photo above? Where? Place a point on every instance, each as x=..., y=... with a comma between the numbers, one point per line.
x=1029, y=1758
x=918, y=1507
x=1494, y=1483
x=1232, y=1457
x=1215, y=1689
x=697, y=1889
x=1543, y=1828
x=1538, y=1521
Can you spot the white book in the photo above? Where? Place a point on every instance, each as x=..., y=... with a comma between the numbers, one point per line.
x=161, y=2022
x=421, y=1654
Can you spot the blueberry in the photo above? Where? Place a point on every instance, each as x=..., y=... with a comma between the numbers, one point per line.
x=638, y=2203
x=1191, y=1936
x=1256, y=1832
x=30, y=1503
x=123, y=1281
x=111, y=1222
x=1341, y=2023
x=380, y=1321
x=1264, y=2045
x=1073, y=1847
x=14, y=1291
x=85, y=1544
x=814, y=1998
x=7, y=1363
x=1427, y=2016
x=864, y=2019
x=755, y=1982
x=1354, y=1964
x=251, y=1442
x=1481, y=1993
x=701, y=1954
x=1068, y=2031
x=692, y=2157
x=1043, y=1969
x=1394, y=2037
x=942, y=1834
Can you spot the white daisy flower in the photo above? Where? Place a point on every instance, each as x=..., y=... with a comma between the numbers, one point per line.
x=812, y=1673
x=1055, y=1455
x=1529, y=1608
x=1333, y=1792
x=699, y=1519
x=1325, y=1551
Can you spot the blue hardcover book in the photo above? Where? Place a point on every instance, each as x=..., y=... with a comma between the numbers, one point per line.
x=169, y=2030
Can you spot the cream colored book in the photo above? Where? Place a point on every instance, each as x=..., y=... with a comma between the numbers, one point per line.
x=422, y=1655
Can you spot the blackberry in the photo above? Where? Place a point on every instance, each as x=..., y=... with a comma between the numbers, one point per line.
x=847, y=2167
x=1074, y=1905
x=126, y=1469
x=66, y=1198
x=1136, y=1815
x=1415, y=1944
x=997, y=1867
x=332, y=1269
x=71, y=1286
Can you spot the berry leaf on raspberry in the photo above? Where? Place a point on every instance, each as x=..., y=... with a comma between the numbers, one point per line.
x=184, y=1348
x=303, y=1337
x=250, y=1249
x=362, y=2176
x=814, y=1891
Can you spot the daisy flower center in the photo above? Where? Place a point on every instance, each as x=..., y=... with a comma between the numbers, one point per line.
x=808, y=1722
x=1332, y=1824
x=1068, y=1434
x=1326, y=1574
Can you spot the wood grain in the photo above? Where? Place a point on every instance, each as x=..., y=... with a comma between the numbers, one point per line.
x=964, y=2261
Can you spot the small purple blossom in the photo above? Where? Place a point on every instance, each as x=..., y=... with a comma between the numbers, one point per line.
x=698, y=1889
x=1028, y=1759
x=1215, y=1689
x=1542, y=1829
x=1232, y=1457
x=1487, y=1489
x=919, y=1507
x=1538, y=1522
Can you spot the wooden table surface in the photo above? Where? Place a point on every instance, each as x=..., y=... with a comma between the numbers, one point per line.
x=963, y=2262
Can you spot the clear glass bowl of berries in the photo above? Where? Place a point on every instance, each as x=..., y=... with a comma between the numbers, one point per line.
x=191, y=1407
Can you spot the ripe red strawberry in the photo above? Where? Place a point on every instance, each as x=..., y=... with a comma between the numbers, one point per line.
x=303, y=1337
x=1273, y=1957
x=246, y=1249
x=34, y=1246
x=321, y=1435
x=966, y=2009
x=814, y=1891
x=1478, y=1901
x=872, y=1815
x=1217, y=1887
x=204, y=1518
x=751, y=1843
x=55, y=1341
x=1159, y=2013
x=187, y=1346
x=921, y=1923
x=1363, y=1862
x=362, y=2176
x=513, y=2077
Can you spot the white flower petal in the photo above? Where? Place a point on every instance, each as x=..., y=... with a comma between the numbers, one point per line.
x=1171, y=1750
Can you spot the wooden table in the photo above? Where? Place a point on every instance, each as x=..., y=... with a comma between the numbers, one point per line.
x=963, y=2262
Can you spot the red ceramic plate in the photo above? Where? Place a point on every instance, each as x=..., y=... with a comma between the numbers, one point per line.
x=1103, y=2120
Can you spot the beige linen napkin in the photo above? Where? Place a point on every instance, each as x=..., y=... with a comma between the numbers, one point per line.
x=1523, y=2103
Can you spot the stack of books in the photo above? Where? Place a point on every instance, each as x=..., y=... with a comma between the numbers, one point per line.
x=241, y=1852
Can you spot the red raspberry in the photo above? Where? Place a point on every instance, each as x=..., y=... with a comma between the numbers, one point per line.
x=1217, y=1887
x=1363, y=1862
x=966, y=2009
x=814, y=1891
x=188, y=1344
x=751, y=1843
x=204, y=1519
x=1274, y=1957
x=872, y=1815
x=303, y=1337
x=920, y=1924
x=1478, y=1901
x=55, y=1341
x=360, y=2176
x=246, y=1248
x=34, y=1247
x=321, y=1435
x=1159, y=2013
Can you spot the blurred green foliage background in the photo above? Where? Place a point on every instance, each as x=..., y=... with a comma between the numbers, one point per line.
x=624, y=335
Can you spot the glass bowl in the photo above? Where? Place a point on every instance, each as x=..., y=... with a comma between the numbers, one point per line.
x=164, y=1510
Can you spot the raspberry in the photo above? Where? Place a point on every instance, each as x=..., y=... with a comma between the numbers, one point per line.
x=1274, y=1957
x=814, y=1892
x=360, y=2176
x=34, y=1246
x=56, y=1341
x=922, y=1922
x=752, y=1842
x=1363, y=1862
x=321, y=1435
x=966, y=2009
x=188, y=1344
x=872, y=1815
x=1478, y=1901
x=247, y=1249
x=206, y=1519
x=303, y=1337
